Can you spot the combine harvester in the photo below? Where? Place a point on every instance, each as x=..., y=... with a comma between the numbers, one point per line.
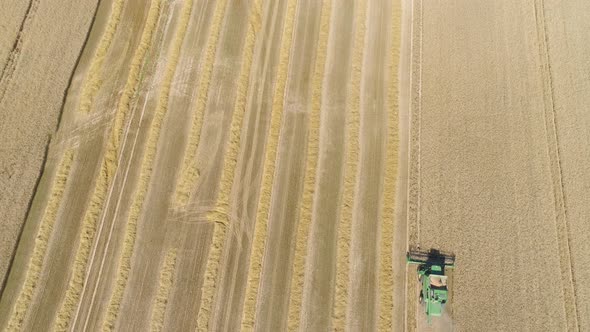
x=434, y=293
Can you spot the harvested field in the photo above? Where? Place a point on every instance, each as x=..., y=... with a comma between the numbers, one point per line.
x=207, y=136
x=264, y=165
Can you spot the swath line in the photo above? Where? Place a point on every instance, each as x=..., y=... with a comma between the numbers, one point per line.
x=220, y=214
x=108, y=201
x=390, y=185
x=93, y=81
x=296, y=292
x=190, y=172
x=255, y=267
x=41, y=243
x=166, y=281
x=352, y=137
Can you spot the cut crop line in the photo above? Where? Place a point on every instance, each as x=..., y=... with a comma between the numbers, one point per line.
x=419, y=143
x=352, y=152
x=93, y=80
x=190, y=172
x=15, y=53
x=167, y=275
x=33, y=272
x=220, y=214
x=260, y=230
x=391, y=166
x=107, y=172
x=124, y=265
x=409, y=170
x=115, y=213
x=211, y=272
x=296, y=291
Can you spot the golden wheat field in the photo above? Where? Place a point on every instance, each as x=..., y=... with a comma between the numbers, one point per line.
x=264, y=165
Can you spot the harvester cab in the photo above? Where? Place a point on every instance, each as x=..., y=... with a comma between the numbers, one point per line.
x=434, y=293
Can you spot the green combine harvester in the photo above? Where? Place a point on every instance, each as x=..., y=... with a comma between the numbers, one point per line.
x=434, y=293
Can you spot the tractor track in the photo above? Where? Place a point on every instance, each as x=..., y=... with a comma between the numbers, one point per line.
x=15, y=52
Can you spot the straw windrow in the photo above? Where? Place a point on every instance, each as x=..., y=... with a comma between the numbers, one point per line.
x=220, y=215
x=352, y=152
x=44, y=233
x=296, y=292
x=255, y=268
x=190, y=171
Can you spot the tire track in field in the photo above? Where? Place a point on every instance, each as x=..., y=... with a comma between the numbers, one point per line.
x=320, y=263
x=44, y=234
x=363, y=306
x=350, y=173
x=216, y=182
x=166, y=163
x=85, y=309
x=310, y=169
x=88, y=309
x=242, y=204
x=107, y=172
x=174, y=126
x=258, y=237
x=563, y=231
x=15, y=52
x=124, y=264
x=400, y=232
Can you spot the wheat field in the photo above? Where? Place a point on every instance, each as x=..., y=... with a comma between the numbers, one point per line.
x=264, y=165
